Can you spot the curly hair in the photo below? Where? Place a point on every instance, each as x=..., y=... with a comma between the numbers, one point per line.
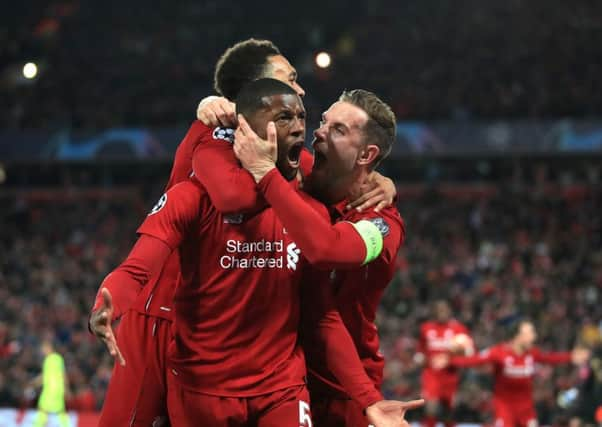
x=242, y=63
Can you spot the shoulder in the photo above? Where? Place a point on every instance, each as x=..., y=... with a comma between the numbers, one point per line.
x=426, y=326
x=314, y=203
x=457, y=325
x=187, y=196
x=388, y=221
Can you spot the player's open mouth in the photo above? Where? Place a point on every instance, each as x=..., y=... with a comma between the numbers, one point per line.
x=319, y=159
x=294, y=154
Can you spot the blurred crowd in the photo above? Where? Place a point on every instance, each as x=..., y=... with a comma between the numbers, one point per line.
x=494, y=255
x=53, y=255
x=115, y=63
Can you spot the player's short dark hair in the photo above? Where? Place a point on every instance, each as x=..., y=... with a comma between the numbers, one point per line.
x=513, y=328
x=382, y=124
x=251, y=97
x=242, y=63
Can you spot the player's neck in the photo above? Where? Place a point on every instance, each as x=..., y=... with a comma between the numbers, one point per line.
x=517, y=348
x=354, y=190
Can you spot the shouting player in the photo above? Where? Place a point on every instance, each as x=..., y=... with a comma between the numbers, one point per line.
x=358, y=250
x=443, y=335
x=235, y=358
x=136, y=393
x=514, y=367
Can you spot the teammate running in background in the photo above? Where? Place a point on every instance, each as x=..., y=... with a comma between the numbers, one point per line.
x=54, y=386
x=514, y=367
x=442, y=335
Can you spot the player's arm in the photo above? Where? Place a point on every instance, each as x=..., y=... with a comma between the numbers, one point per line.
x=485, y=357
x=323, y=329
x=182, y=165
x=161, y=232
x=577, y=356
x=326, y=245
x=377, y=191
x=142, y=265
x=230, y=187
x=323, y=324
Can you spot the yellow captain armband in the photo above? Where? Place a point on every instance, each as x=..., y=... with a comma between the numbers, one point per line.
x=372, y=237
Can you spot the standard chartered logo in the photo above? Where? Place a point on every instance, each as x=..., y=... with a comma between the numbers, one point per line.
x=259, y=254
x=292, y=256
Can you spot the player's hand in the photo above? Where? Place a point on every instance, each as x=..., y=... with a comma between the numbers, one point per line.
x=100, y=325
x=390, y=413
x=378, y=191
x=580, y=355
x=216, y=111
x=439, y=361
x=256, y=155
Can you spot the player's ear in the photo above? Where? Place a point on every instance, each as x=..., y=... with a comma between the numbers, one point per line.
x=368, y=154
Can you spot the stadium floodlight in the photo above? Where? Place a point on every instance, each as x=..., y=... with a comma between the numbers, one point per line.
x=30, y=70
x=323, y=60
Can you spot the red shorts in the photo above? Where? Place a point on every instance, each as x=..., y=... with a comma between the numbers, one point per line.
x=336, y=412
x=136, y=392
x=513, y=414
x=442, y=391
x=288, y=407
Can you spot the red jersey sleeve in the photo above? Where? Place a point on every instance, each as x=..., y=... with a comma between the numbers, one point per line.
x=324, y=245
x=161, y=232
x=551, y=358
x=324, y=328
x=392, y=227
x=179, y=208
x=143, y=265
x=484, y=357
x=182, y=165
x=230, y=187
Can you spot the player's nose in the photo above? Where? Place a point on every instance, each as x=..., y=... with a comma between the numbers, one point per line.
x=300, y=91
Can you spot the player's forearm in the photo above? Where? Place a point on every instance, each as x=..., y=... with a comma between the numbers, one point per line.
x=344, y=362
x=182, y=165
x=322, y=243
x=468, y=361
x=553, y=358
x=143, y=265
x=230, y=187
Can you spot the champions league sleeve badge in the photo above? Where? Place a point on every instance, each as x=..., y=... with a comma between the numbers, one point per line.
x=381, y=224
x=227, y=134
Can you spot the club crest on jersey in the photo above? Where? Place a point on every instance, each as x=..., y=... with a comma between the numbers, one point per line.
x=292, y=256
x=227, y=134
x=160, y=204
x=381, y=224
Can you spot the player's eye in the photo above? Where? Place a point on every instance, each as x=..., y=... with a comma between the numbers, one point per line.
x=282, y=120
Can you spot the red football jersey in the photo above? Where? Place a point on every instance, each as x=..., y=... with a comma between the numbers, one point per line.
x=219, y=171
x=358, y=292
x=436, y=338
x=513, y=372
x=237, y=303
x=340, y=249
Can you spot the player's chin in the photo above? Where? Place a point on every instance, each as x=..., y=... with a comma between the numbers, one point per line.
x=288, y=170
